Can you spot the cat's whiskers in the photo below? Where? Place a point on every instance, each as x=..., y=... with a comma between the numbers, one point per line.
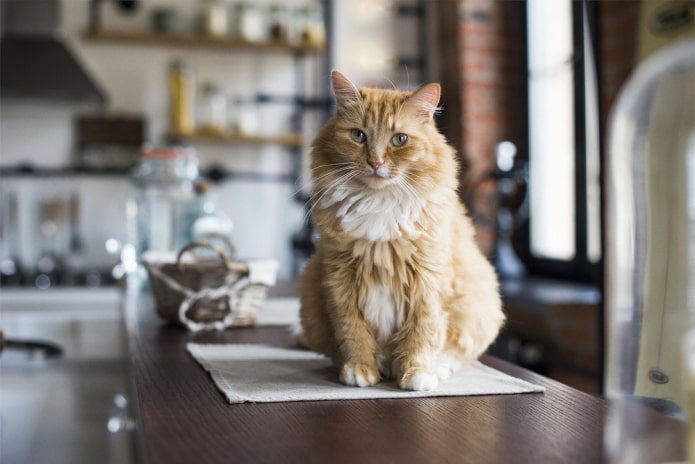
x=403, y=182
x=410, y=192
x=300, y=179
x=331, y=186
x=409, y=181
x=334, y=171
x=426, y=182
x=318, y=180
x=316, y=168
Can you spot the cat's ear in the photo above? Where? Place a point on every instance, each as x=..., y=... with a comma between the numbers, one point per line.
x=345, y=91
x=423, y=103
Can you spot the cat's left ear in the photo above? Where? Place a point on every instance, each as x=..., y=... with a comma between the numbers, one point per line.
x=345, y=91
x=423, y=103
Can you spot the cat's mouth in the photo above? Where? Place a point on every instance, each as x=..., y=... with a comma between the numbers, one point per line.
x=377, y=178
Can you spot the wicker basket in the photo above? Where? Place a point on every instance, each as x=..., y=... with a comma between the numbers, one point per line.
x=206, y=292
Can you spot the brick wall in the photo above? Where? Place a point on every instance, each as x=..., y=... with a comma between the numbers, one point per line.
x=492, y=70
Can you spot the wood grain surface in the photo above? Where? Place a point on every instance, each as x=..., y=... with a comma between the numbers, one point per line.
x=185, y=419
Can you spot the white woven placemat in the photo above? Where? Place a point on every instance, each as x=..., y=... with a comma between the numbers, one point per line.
x=266, y=374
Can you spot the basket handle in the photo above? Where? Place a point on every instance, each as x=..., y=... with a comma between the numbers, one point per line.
x=222, y=238
x=228, y=264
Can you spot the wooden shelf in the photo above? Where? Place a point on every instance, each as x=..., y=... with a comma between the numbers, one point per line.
x=197, y=40
x=292, y=140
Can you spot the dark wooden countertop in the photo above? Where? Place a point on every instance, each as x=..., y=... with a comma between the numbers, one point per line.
x=185, y=419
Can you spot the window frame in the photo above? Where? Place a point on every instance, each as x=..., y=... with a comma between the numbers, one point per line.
x=580, y=268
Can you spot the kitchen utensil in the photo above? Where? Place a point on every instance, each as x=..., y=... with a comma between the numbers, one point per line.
x=76, y=242
x=50, y=265
x=32, y=346
x=11, y=269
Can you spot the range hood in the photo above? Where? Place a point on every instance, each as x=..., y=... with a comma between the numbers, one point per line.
x=35, y=64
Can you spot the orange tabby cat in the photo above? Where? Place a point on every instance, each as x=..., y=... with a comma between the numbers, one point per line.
x=397, y=286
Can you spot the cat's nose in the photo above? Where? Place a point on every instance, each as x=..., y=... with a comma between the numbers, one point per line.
x=375, y=164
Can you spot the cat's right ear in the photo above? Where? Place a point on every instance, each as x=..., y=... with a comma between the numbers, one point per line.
x=345, y=91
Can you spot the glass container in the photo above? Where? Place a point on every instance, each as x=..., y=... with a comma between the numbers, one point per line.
x=245, y=117
x=214, y=19
x=182, y=93
x=249, y=22
x=206, y=220
x=160, y=199
x=279, y=24
x=650, y=259
x=212, y=110
x=310, y=23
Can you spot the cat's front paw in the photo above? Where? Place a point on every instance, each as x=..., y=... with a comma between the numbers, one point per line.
x=359, y=374
x=419, y=380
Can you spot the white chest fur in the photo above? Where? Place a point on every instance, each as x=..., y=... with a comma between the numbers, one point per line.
x=376, y=215
x=384, y=313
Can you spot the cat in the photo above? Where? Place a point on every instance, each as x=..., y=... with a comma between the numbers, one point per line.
x=397, y=287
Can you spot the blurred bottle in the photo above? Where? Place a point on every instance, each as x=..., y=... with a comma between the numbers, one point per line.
x=161, y=196
x=182, y=105
x=212, y=110
x=311, y=27
x=650, y=259
x=245, y=117
x=279, y=27
x=206, y=219
x=215, y=22
x=249, y=22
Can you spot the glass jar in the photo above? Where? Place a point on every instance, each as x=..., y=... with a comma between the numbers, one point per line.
x=650, y=255
x=207, y=220
x=160, y=199
x=279, y=24
x=182, y=98
x=310, y=24
x=212, y=110
x=249, y=22
x=214, y=18
x=245, y=117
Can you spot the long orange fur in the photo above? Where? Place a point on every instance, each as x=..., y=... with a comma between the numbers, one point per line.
x=397, y=286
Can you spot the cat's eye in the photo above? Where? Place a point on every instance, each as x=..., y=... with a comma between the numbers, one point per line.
x=399, y=140
x=358, y=135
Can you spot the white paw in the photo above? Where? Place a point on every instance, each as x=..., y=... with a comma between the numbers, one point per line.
x=358, y=375
x=421, y=381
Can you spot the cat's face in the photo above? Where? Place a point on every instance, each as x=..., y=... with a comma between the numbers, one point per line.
x=380, y=137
